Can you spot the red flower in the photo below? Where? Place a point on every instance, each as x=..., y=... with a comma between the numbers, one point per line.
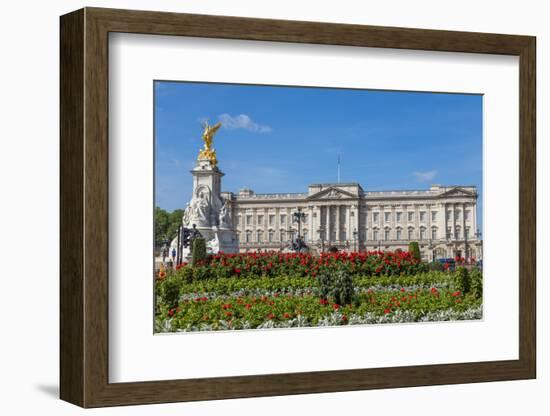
x=270, y=316
x=248, y=306
x=323, y=301
x=457, y=293
x=386, y=311
x=171, y=312
x=286, y=315
x=228, y=314
x=238, y=271
x=336, y=306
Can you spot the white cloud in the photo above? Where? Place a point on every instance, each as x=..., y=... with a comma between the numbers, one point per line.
x=242, y=121
x=425, y=176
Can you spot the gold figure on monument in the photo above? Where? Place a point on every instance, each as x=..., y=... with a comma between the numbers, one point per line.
x=208, y=152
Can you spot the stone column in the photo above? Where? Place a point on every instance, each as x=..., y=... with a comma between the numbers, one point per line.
x=393, y=223
x=474, y=219
x=310, y=231
x=327, y=223
x=416, y=222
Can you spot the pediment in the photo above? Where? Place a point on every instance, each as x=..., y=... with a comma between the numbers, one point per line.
x=457, y=192
x=332, y=193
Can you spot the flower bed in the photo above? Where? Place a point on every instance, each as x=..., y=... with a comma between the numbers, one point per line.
x=273, y=290
x=298, y=264
x=253, y=311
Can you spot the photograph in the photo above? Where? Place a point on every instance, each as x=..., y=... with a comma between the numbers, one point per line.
x=290, y=206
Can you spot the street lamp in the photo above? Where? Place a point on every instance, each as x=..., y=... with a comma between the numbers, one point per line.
x=298, y=217
x=355, y=233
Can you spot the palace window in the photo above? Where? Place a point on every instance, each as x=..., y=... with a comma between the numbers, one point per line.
x=410, y=233
x=259, y=237
x=271, y=220
x=282, y=235
x=467, y=232
x=398, y=216
x=387, y=216
x=434, y=215
x=283, y=219
x=248, y=219
x=410, y=216
x=375, y=217
x=260, y=220
x=386, y=234
x=422, y=233
x=375, y=235
x=238, y=220
x=422, y=216
x=434, y=233
x=449, y=233
x=305, y=235
x=398, y=234
x=270, y=236
x=248, y=236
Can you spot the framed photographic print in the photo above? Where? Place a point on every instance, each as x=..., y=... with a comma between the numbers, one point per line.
x=255, y=207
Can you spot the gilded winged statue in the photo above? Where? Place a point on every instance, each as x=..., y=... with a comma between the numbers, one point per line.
x=208, y=152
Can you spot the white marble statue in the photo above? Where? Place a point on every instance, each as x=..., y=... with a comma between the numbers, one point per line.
x=213, y=245
x=199, y=210
x=225, y=218
x=186, y=219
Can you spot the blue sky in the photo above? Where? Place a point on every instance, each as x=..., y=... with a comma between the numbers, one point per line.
x=280, y=139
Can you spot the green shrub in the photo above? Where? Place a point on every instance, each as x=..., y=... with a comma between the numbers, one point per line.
x=185, y=273
x=201, y=273
x=336, y=285
x=476, y=283
x=462, y=280
x=414, y=250
x=342, y=290
x=170, y=291
x=199, y=251
x=324, y=281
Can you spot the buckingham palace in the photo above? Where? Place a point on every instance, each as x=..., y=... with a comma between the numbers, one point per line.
x=343, y=216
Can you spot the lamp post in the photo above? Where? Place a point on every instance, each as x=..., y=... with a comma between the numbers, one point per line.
x=298, y=217
x=355, y=233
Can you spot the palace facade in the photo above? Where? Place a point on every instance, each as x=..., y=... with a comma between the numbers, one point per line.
x=343, y=216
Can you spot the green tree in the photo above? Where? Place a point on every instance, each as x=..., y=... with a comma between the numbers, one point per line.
x=166, y=225
x=414, y=250
x=199, y=251
x=162, y=221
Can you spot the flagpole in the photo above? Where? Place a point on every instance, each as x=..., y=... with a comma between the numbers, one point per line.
x=338, y=168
